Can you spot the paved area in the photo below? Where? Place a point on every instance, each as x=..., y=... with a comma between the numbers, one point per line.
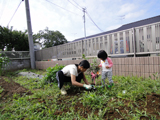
x=30, y=75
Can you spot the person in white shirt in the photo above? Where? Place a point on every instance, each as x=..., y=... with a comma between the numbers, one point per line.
x=106, y=64
x=73, y=73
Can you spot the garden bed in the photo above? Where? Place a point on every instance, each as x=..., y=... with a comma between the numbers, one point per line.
x=24, y=98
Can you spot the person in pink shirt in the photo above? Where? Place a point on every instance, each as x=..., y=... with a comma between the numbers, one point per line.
x=106, y=64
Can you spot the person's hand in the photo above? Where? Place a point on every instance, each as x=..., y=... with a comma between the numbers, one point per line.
x=107, y=67
x=88, y=87
x=99, y=65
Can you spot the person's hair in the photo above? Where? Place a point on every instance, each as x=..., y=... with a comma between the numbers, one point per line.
x=85, y=64
x=102, y=55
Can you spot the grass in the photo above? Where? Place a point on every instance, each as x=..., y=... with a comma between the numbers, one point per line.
x=44, y=102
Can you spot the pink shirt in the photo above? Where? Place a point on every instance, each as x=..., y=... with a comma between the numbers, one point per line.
x=108, y=62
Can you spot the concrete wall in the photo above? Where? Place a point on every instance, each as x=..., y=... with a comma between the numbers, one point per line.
x=16, y=64
x=138, y=66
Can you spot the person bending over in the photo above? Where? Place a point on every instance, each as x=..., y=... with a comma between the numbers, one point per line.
x=73, y=73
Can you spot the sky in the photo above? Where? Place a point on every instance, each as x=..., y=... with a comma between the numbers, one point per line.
x=66, y=16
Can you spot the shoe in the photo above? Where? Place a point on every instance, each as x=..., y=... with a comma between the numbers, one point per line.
x=63, y=91
x=110, y=85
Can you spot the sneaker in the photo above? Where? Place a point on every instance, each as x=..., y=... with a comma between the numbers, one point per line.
x=63, y=91
x=110, y=85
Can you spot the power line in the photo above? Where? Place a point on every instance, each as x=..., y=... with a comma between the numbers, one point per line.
x=61, y=7
x=94, y=22
x=84, y=14
x=15, y=12
x=77, y=4
x=74, y=5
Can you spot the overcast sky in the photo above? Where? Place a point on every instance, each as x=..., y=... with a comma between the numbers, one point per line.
x=66, y=16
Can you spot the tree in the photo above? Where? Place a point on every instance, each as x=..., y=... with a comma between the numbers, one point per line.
x=5, y=36
x=13, y=39
x=50, y=38
x=20, y=41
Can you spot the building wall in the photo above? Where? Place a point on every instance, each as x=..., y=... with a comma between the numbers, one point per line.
x=139, y=40
x=138, y=66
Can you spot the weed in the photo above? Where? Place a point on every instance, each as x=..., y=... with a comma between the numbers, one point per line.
x=45, y=100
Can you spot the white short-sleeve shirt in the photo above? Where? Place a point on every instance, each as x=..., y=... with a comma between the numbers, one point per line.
x=104, y=64
x=70, y=69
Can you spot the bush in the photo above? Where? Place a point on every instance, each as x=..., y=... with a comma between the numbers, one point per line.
x=3, y=62
x=51, y=73
x=94, y=66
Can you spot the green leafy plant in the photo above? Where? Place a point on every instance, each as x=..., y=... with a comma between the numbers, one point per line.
x=1, y=90
x=3, y=62
x=83, y=56
x=127, y=99
x=51, y=73
x=94, y=66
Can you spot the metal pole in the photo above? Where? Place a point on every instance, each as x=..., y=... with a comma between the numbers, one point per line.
x=134, y=41
x=30, y=37
x=84, y=10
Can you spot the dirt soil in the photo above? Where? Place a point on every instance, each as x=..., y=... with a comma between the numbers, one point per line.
x=151, y=105
x=10, y=88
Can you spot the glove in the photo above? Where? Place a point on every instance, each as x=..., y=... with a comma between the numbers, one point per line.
x=88, y=87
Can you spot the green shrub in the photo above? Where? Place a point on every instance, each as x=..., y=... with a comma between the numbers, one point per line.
x=94, y=66
x=51, y=73
x=3, y=62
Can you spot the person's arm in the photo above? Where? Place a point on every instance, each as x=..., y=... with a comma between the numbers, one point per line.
x=85, y=80
x=74, y=82
x=100, y=65
x=110, y=62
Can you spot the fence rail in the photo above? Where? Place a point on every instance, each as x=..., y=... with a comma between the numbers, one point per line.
x=16, y=54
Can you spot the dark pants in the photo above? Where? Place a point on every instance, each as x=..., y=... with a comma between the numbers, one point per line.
x=61, y=78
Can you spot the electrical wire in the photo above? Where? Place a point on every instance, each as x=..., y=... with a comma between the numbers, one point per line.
x=75, y=13
x=94, y=22
x=77, y=4
x=74, y=5
x=60, y=7
x=87, y=14
x=15, y=12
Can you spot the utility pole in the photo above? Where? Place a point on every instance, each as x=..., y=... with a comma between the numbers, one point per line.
x=30, y=37
x=84, y=10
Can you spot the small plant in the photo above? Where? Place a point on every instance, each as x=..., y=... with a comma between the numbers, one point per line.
x=94, y=70
x=156, y=76
x=83, y=56
x=51, y=73
x=94, y=66
x=1, y=90
x=3, y=62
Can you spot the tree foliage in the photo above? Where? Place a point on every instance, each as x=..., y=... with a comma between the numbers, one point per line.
x=50, y=38
x=13, y=39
